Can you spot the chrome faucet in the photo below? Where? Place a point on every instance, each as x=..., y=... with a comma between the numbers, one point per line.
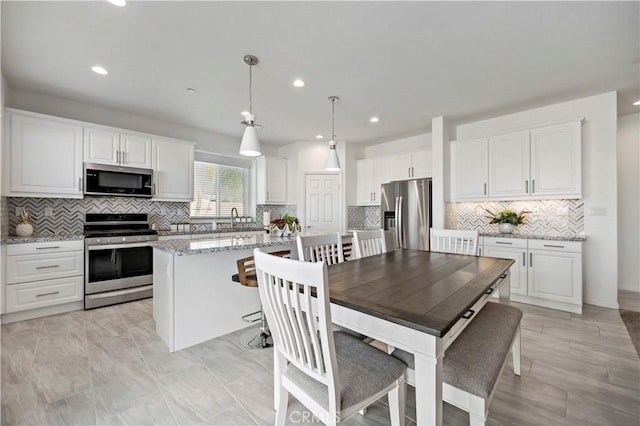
x=237, y=215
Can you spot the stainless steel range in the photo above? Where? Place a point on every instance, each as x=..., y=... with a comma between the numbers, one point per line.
x=118, y=258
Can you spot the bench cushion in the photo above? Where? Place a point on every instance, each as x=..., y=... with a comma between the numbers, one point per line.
x=363, y=371
x=473, y=361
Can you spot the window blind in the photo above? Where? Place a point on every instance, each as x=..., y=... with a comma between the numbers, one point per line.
x=218, y=188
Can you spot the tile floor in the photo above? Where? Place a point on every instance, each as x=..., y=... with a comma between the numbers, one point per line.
x=107, y=366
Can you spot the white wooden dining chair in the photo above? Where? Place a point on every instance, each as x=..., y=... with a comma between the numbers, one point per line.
x=325, y=248
x=454, y=241
x=368, y=243
x=331, y=373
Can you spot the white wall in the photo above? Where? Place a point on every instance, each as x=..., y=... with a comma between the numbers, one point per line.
x=599, y=181
x=629, y=202
x=398, y=147
x=61, y=107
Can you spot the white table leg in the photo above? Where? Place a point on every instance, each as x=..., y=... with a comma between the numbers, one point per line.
x=504, y=292
x=428, y=389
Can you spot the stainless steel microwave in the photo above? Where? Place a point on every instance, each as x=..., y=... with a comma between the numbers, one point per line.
x=116, y=181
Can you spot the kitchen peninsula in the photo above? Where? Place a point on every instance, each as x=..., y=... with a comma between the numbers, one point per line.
x=194, y=298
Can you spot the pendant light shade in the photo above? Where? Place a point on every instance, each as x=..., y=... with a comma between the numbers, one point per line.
x=333, y=162
x=250, y=145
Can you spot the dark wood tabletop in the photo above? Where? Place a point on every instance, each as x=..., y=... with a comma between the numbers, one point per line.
x=427, y=291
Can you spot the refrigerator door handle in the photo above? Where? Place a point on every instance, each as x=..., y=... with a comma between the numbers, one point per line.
x=396, y=234
x=399, y=223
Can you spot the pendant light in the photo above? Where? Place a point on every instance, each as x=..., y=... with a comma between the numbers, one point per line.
x=250, y=146
x=333, y=162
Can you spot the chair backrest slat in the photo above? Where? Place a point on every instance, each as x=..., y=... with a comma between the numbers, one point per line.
x=369, y=243
x=326, y=248
x=295, y=301
x=454, y=241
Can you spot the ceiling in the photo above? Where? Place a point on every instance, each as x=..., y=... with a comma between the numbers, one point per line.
x=404, y=62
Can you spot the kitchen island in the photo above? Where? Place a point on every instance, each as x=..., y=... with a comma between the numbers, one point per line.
x=194, y=299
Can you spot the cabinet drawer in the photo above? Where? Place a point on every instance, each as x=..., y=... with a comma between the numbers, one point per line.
x=39, y=294
x=37, y=267
x=570, y=246
x=505, y=242
x=48, y=247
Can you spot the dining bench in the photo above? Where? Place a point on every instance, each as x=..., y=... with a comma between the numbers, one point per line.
x=474, y=361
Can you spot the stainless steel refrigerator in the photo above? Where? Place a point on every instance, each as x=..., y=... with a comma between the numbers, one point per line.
x=406, y=211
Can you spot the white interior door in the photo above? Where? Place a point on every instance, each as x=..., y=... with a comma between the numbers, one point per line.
x=322, y=195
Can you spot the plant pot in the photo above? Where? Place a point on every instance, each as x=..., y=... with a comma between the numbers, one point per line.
x=505, y=228
x=24, y=229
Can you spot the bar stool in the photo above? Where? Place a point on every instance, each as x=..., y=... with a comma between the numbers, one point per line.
x=247, y=277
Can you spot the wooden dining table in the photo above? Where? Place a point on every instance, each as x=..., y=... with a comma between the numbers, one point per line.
x=418, y=301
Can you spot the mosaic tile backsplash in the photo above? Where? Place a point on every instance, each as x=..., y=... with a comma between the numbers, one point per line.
x=562, y=218
x=363, y=217
x=277, y=211
x=68, y=214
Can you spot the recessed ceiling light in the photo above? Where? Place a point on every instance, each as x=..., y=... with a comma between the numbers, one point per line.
x=118, y=2
x=374, y=119
x=636, y=103
x=191, y=90
x=319, y=136
x=100, y=70
x=298, y=83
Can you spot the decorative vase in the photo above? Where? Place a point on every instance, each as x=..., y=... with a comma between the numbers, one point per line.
x=277, y=231
x=505, y=228
x=24, y=229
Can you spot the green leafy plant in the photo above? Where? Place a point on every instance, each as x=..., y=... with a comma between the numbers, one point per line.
x=292, y=222
x=507, y=216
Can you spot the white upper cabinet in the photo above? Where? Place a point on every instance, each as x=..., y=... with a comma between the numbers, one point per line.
x=411, y=166
x=556, y=161
x=371, y=174
x=271, y=176
x=469, y=169
x=110, y=146
x=45, y=157
x=540, y=163
x=135, y=151
x=509, y=165
x=172, y=170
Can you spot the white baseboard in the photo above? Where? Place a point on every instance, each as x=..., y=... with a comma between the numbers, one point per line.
x=41, y=312
x=602, y=304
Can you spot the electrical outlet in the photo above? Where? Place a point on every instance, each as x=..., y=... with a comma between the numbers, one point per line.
x=163, y=210
x=597, y=211
x=479, y=211
x=535, y=211
x=48, y=211
x=18, y=211
x=563, y=211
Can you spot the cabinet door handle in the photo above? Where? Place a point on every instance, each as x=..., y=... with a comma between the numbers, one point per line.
x=48, y=267
x=468, y=314
x=409, y=171
x=524, y=259
x=124, y=156
x=489, y=291
x=479, y=251
x=413, y=172
x=47, y=248
x=154, y=189
x=374, y=196
x=503, y=242
x=533, y=186
x=80, y=184
x=47, y=294
x=526, y=186
x=118, y=157
x=485, y=189
x=553, y=245
x=530, y=259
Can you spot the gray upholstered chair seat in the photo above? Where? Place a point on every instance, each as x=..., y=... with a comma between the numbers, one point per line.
x=473, y=361
x=363, y=371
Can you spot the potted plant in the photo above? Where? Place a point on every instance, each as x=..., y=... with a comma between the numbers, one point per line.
x=293, y=225
x=24, y=228
x=506, y=220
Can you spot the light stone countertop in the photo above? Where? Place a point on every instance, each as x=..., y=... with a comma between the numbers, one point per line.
x=577, y=238
x=40, y=238
x=190, y=246
x=237, y=230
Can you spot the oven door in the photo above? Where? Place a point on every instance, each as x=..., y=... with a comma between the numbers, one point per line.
x=118, y=266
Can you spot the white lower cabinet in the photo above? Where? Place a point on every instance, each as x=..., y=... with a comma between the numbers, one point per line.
x=546, y=272
x=43, y=274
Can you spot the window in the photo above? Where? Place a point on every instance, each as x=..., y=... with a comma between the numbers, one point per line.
x=219, y=188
